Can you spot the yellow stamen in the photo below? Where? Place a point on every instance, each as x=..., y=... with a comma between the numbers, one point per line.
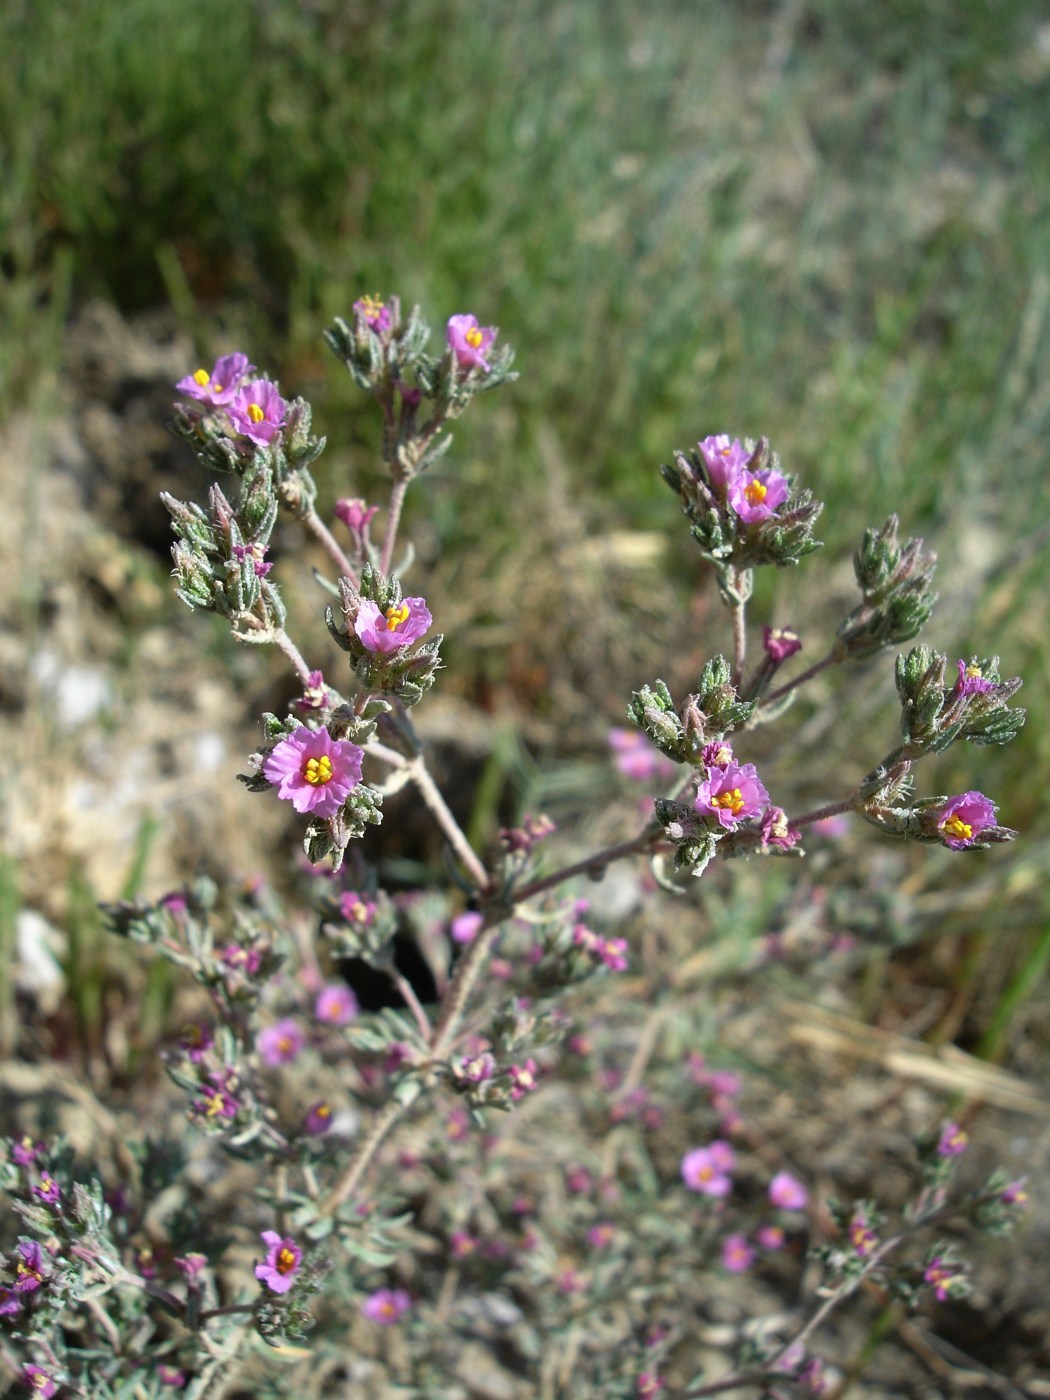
x=318, y=770
x=255, y=413
x=956, y=827
x=285, y=1262
x=473, y=337
x=731, y=801
x=755, y=493
x=395, y=617
x=201, y=377
x=214, y=1105
x=372, y=306
x=973, y=672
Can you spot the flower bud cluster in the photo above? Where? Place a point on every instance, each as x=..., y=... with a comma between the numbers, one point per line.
x=895, y=580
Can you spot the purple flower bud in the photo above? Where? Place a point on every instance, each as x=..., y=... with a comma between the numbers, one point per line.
x=780, y=643
x=318, y=1118
x=376, y=313
x=465, y=927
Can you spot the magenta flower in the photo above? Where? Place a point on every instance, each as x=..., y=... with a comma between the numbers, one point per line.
x=281, y=1043
x=724, y=460
x=219, y=387
x=336, y=1004
x=29, y=1273
x=757, y=495
x=357, y=908
x=256, y=554
x=941, y=1274
x=354, y=514
x=770, y=1237
x=475, y=1069
x=376, y=313
x=469, y=341
x=279, y=1268
x=732, y=794
x=9, y=1302
x=315, y=693
x=48, y=1190
x=313, y=771
x=706, y=1169
x=601, y=1236
x=217, y=1101
x=462, y=1244
x=861, y=1236
x=191, y=1266
x=25, y=1151
x=38, y=1381
x=318, y=1118
x=777, y=832
x=780, y=643
x=717, y=754
x=257, y=411
x=523, y=1079
x=953, y=1141
x=1014, y=1194
x=171, y=1375
x=787, y=1193
x=737, y=1254
x=649, y=1386
x=465, y=927
x=962, y=819
x=386, y=1306
x=400, y=626
x=613, y=953
x=971, y=681
x=195, y=1041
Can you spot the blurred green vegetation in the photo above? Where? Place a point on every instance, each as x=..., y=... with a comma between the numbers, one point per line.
x=820, y=219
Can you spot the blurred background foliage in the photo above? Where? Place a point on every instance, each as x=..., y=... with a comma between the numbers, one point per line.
x=823, y=220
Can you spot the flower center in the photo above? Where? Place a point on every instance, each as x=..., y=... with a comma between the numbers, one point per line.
x=387, y=1308
x=318, y=771
x=473, y=337
x=255, y=413
x=955, y=826
x=706, y=1173
x=373, y=307
x=755, y=493
x=285, y=1261
x=27, y=1271
x=396, y=617
x=731, y=800
x=214, y=1104
x=201, y=378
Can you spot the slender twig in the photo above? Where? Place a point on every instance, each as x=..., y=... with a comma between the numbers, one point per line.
x=404, y=986
x=803, y=676
x=592, y=864
x=393, y=520
x=332, y=548
x=819, y=813
x=294, y=655
x=739, y=613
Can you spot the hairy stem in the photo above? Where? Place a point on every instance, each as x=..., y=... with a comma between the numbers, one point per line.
x=294, y=655
x=804, y=676
x=819, y=813
x=332, y=548
x=393, y=520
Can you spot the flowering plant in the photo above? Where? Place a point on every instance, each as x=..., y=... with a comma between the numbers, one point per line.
x=334, y=1209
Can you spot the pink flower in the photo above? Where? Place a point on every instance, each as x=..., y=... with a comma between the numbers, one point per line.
x=776, y=831
x=779, y=643
x=649, y=1386
x=279, y=1268
x=386, y=1306
x=953, y=1141
x=600, y=1236
x=962, y=819
x=462, y=1244
x=787, y=1193
x=861, y=1236
x=171, y=1375
x=970, y=681
x=523, y=1079
x=733, y=794
x=354, y=514
x=38, y=1381
x=281, y=1043
x=635, y=757
x=217, y=1101
x=375, y=312
x=257, y=411
x=357, y=908
x=724, y=460
x=706, y=1169
x=757, y=495
x=613, y=953
x=48, y=1190
x=400, y=626
x=466, y=926
x=25, y=1151
x=717, y=754
x=1015, y=1194
x=318, y=1118
x=256, y=553
x=9, y=1302
x=941, y=1275
x=578, y=1180
x=737, y=1254
x=191, y=1266
x=29, y=1272
x=475, y=1069
x=770, y=1236
x=336, y=1004
x=469, y=341
x=313, y=771
x=219, y=387
x=315, y=693
x=196, y=1040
